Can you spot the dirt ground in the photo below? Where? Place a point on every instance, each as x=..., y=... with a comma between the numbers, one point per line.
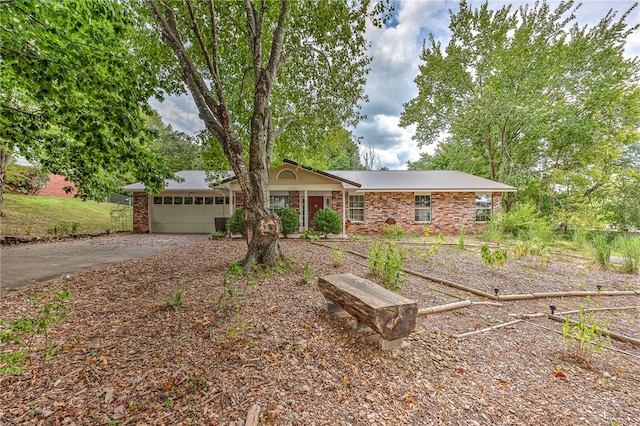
x=176, y=338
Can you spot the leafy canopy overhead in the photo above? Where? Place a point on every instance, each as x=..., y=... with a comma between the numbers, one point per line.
x=72, y=90
x=265, y=72
x=544, y=103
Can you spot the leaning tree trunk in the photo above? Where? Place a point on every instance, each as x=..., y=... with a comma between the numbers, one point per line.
x=5, y=157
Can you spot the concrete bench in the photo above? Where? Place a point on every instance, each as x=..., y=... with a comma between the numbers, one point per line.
x=390, y=316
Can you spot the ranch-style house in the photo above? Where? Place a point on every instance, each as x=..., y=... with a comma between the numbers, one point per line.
x=440, y=200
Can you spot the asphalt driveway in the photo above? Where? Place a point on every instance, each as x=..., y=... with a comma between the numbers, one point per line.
x=31, y=263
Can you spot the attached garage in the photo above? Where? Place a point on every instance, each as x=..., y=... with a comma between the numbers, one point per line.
x=188, y=205
x=190, y=213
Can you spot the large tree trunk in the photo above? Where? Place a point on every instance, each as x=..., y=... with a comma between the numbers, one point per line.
x=5, y=157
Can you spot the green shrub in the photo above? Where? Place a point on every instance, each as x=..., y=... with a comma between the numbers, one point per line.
x=392, y=231
x=386, y=262
x=236, y=223
x=289, y=219
x=327, y=221
x=525, y=222
x=497, y=257
x=630, y=248
x=601, y=250
x=586, y=333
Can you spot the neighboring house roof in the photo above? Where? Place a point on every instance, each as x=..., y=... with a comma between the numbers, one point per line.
x=189, y=180
x=421, y=180
x=364, y=180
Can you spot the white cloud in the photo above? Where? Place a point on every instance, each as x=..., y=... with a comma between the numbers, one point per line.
x=180, y=112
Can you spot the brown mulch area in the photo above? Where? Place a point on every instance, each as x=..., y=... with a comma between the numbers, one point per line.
x=130, y=353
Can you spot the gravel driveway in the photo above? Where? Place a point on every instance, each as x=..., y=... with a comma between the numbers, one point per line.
x=25, y=264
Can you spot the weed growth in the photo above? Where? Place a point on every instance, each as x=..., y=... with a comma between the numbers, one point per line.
x=22, y=332
x=386, y=261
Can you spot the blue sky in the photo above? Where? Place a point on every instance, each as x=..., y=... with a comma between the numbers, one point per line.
x=390, y=83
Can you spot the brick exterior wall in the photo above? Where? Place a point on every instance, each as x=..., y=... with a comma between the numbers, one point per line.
x=140, y=213
x=450, y=211
x=294, y=201
x=55, y=187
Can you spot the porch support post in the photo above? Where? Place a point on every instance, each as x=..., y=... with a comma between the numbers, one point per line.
x=306, y=211
x=344, y=215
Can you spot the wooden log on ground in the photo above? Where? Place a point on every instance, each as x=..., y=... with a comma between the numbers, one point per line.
x=390, y=315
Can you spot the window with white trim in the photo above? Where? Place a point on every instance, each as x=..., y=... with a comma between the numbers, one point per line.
x=277, y=202
x=483, y=207
x=422, y=208
x=356, y=208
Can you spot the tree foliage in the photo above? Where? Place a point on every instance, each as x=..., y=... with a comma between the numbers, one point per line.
x=546, y=104
x=180, y=151
x=261, y=72
x=72, y=89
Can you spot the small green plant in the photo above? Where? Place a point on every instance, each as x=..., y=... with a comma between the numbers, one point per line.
x=216, y=235
x=64, y=228
x=392, y=231
x=426, y=231
x=231, y=280
x=307, y=273
x=630, y=248
x=310, y=234
x=327, y=221
x=584, y=334
x=497, y=257
x=601, y=250
x=174, y=301
x=289, y=219
x=236, y=223
x=386, y=263
x=337, y=256
x=493, y=230
x=22, y=332
x=461, y=236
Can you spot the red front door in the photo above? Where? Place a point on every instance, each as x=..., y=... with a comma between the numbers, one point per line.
x=315, y=203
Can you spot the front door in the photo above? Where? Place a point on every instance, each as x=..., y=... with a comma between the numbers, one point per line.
x=315, y=203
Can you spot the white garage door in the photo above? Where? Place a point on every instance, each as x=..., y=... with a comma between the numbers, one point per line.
x=192, y=214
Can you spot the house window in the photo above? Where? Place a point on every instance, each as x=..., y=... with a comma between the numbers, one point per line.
x=277, y=202
x=199, y=200
x=188, y=200
x=287, y=175
x=423, y=208
x=177, y=200
x=356, y=208
x=157, y=200
x=208, y=200
x=483, y=207
x=168, y=200
x=222, y=200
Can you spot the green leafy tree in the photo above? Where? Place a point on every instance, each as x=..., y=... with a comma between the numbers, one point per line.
x=261, y=72
x=545, y=103
x=72, y=90
x=337, y=150
x=181, y=151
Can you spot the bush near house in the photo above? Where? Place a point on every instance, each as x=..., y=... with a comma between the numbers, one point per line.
x=236, y=223
x=327, y=221
x=289, y=219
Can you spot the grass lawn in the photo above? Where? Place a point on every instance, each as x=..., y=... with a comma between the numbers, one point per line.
x=41, y=215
